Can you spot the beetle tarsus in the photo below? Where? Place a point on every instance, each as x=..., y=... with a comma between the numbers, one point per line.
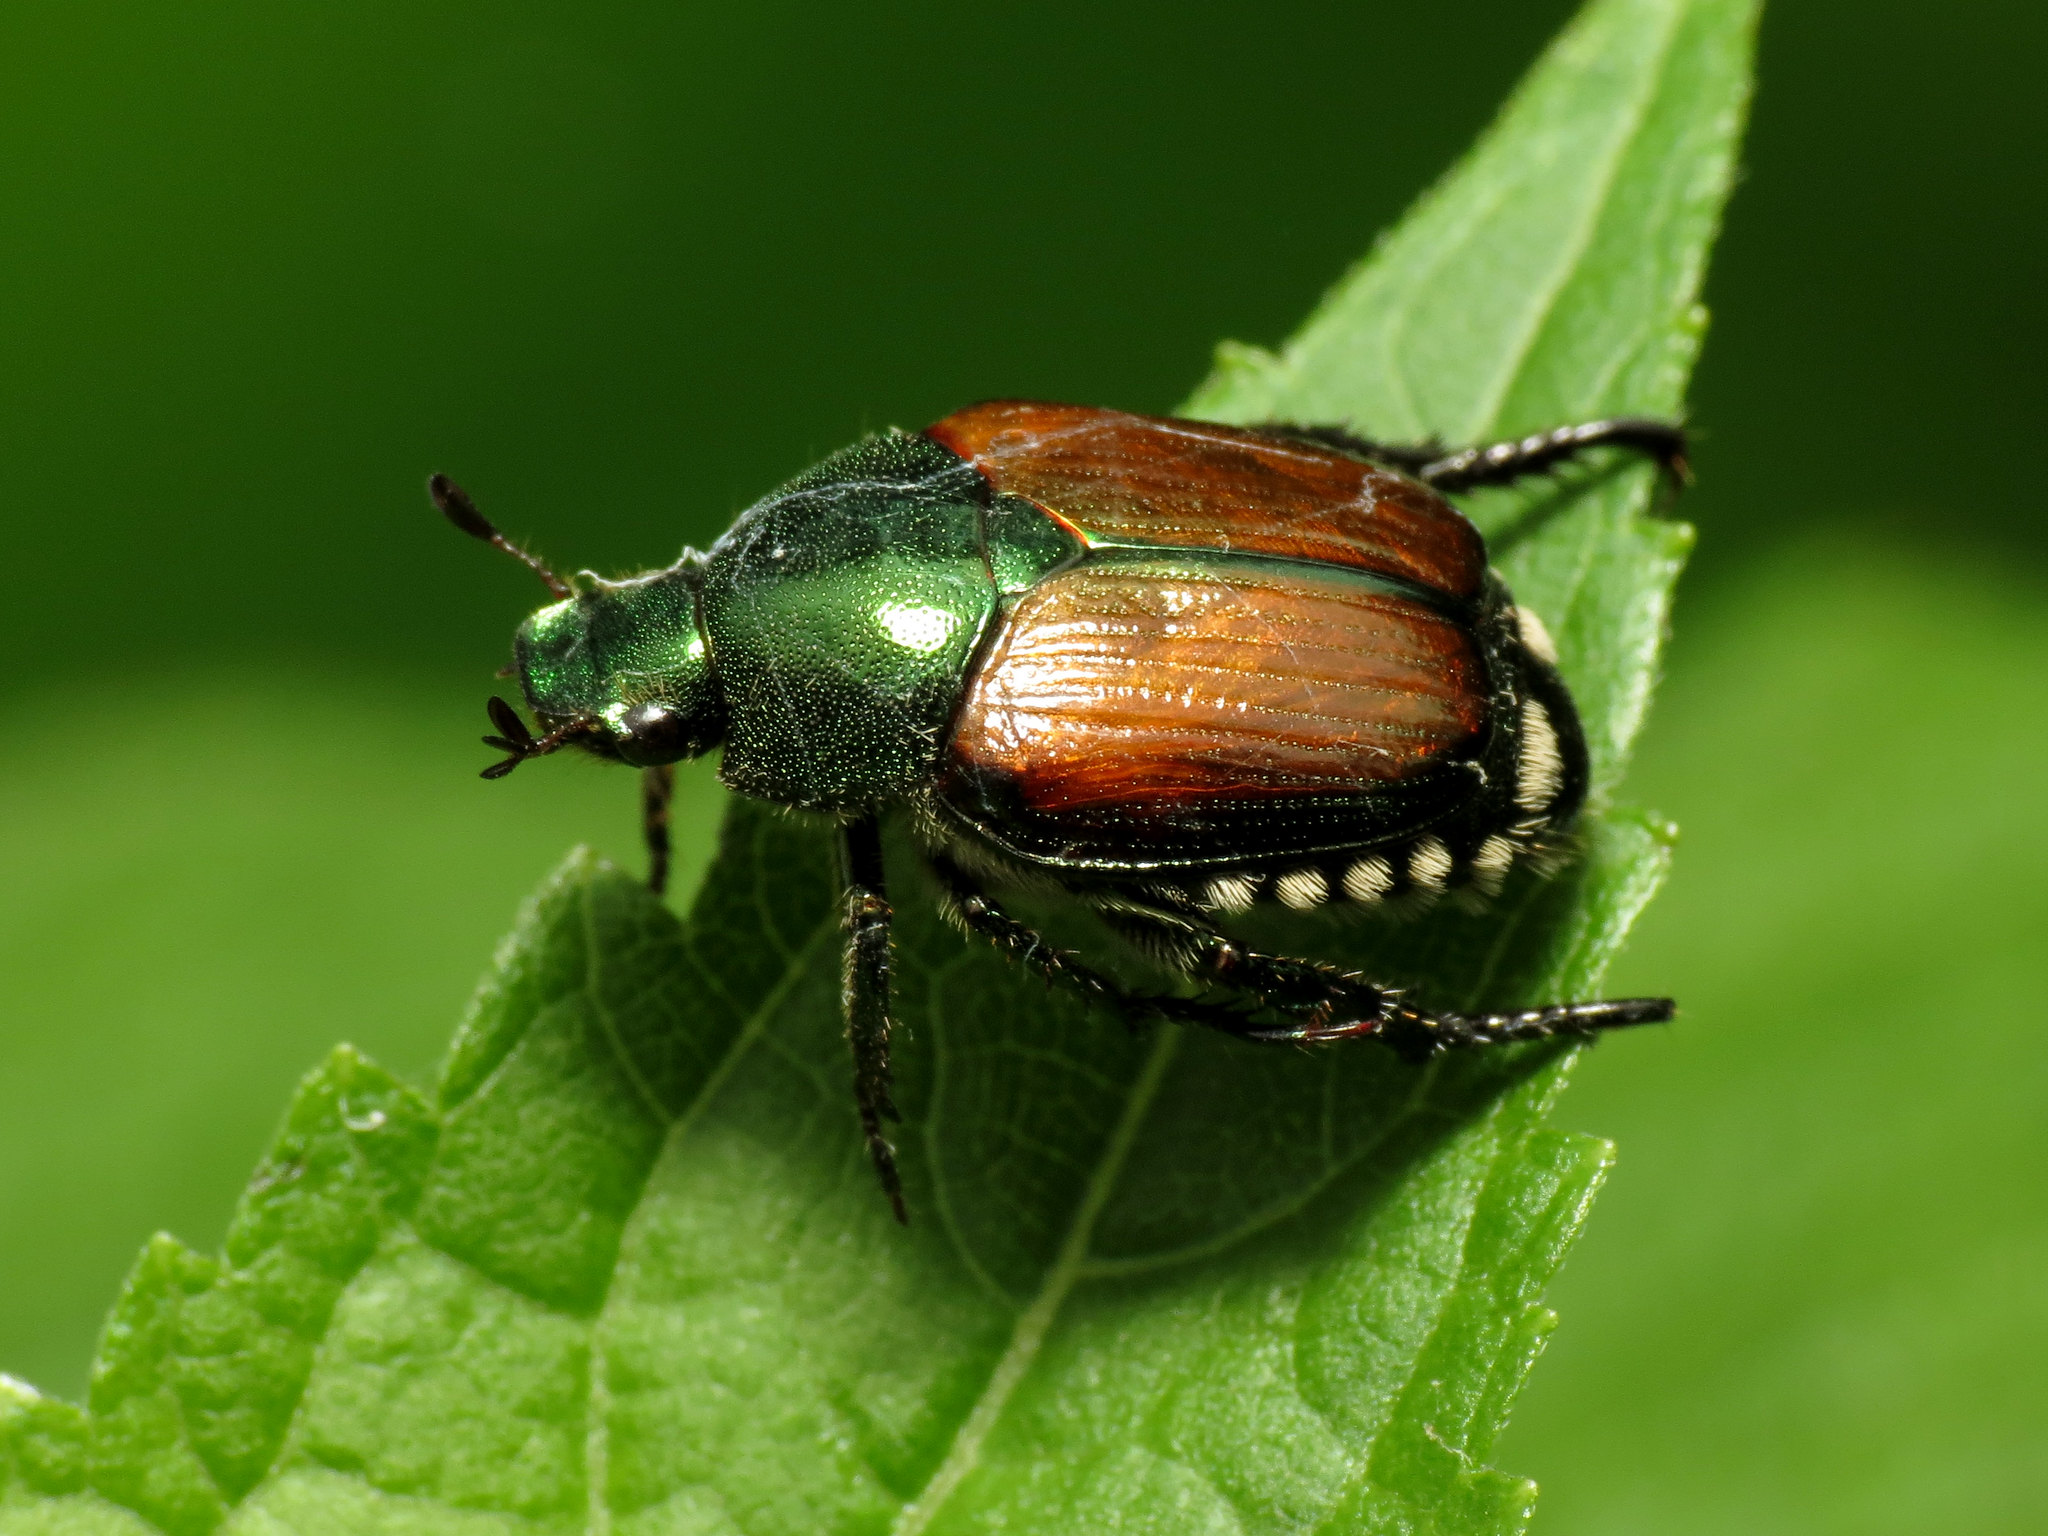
x=1418, y=1034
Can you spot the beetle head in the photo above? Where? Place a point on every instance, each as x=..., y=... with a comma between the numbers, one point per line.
x=621, y=669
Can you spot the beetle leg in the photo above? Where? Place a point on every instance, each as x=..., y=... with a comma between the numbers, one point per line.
x=657, y=790
x=970, y=908
x=1326, y=1004
x=1314, y=993
x=1499, y=463
x=1419, y=1035
x=1464, y=469
x=865, y=991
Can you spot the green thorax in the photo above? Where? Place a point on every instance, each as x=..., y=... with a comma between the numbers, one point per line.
x=845, y=610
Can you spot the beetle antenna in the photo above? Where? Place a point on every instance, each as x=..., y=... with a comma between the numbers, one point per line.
x=518, y=743
x=455, y=505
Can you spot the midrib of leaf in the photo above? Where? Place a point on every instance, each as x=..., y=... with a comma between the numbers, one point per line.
x=1036, y=1320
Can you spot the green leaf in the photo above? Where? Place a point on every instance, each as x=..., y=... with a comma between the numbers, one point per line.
x=630, y=1273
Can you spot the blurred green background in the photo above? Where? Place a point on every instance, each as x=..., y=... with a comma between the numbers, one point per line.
x=622, y=266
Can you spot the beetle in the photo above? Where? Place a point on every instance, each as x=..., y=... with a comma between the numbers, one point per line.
x=1169, y=667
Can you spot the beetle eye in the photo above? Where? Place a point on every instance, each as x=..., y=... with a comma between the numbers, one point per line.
x=654, y=733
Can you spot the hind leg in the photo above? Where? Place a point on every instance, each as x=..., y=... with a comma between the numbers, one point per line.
x=974, y=912
x=1315, y=1003
x=1464, y=469
x=1319, y=1003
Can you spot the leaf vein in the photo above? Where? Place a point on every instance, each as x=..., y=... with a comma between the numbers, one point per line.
x=1036, y=1321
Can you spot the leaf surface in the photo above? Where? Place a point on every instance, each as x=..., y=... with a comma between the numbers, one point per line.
x=629, y=1273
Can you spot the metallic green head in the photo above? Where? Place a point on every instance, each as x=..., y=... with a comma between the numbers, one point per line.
x=623, y=669
x=619, y=668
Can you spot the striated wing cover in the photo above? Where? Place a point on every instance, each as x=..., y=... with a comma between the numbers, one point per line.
x=1121, y=479
x=1140, y=708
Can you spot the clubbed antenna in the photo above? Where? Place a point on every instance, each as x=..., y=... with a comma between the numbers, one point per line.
x=456, y=506
x=518, y=743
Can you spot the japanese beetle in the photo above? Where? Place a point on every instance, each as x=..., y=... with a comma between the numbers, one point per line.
x=1173, y=668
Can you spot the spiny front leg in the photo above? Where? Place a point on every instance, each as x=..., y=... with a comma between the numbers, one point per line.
x=865, y=992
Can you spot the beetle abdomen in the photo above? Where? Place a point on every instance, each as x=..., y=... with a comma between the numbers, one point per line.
x=1209, y=708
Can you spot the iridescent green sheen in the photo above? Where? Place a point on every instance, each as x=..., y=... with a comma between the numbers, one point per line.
x=619, y=645
x=560, y=675
x=843, y=610
x=1024, y=544
x=826, y=640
